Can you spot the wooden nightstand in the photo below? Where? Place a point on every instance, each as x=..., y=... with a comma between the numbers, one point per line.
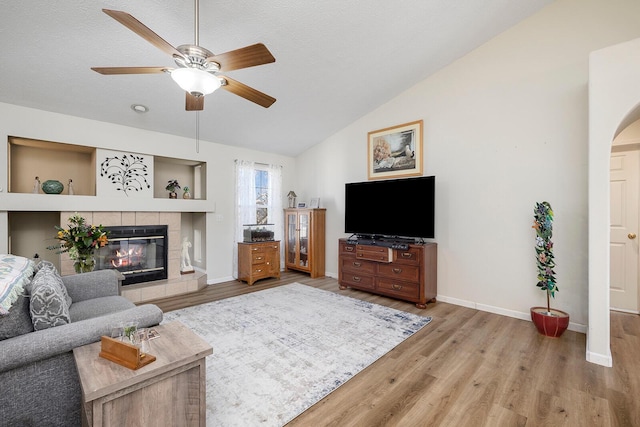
x=171, y=391
x=258, y=260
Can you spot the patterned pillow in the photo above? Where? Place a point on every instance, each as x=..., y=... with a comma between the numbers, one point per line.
x=47, y=269
x=15, y=272
x=48, y=304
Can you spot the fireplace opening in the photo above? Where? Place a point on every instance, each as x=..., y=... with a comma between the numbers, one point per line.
x=139, y=252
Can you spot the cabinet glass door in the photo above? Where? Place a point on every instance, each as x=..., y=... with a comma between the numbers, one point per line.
x=303, y=239
x=292, y=241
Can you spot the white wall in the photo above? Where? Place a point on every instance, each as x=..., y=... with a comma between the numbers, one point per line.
x=614, y=103
x=38, y=124
x=504, y=127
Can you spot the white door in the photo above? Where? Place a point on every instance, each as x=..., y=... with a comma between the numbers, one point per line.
x=624, y=184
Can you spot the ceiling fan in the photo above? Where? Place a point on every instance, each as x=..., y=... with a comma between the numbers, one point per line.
x=198, y=70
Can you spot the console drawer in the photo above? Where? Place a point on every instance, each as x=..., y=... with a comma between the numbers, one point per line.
x=374, y=253
x=409, y=256
x=399, y=288
x=400, y=271
x=356, y=266
x=355, y=280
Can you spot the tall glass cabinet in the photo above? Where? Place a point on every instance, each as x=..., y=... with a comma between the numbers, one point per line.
x=305, y=241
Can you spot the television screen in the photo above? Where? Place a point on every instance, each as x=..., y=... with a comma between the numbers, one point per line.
x=391, y=208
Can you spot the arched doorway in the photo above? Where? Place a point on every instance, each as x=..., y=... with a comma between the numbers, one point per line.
x=614, y=103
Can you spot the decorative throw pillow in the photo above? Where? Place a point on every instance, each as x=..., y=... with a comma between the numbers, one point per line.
x=15, y=272
x=50, y=302
x=50, y=272
x=48, y=307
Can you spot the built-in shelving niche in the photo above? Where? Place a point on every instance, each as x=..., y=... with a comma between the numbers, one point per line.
x=31, y=158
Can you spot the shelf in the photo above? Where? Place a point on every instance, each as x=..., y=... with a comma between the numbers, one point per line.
x=61, y=202
x=30, y=158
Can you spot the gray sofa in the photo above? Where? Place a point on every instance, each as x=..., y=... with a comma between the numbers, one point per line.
x=38, y=377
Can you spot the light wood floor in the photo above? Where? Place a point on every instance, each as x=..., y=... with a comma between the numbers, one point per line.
x=471, y=368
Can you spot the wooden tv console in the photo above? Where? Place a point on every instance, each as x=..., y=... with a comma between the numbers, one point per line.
x=409, y=274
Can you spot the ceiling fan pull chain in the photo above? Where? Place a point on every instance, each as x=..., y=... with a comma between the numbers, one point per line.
x=198, y=132
x=197, y=23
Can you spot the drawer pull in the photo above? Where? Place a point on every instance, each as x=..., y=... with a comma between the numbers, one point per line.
x=255, y=249
x=397, y=270
x=407, y=255
x=259, y=270
x=357, y=264
x=396, y=287
x=348, y=248
x=259, y=258
x=356, y=279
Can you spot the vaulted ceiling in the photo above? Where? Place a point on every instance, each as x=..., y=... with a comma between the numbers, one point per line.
x=336, y=60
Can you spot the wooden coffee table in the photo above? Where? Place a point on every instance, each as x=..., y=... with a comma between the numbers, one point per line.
x=171, y=391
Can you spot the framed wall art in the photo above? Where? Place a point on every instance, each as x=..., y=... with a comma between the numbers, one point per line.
x=124, y=174
x=395, y=152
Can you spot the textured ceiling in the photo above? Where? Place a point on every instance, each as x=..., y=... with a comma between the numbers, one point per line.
x=336, y=60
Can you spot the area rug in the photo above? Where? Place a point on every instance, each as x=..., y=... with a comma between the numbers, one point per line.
x=278, y=351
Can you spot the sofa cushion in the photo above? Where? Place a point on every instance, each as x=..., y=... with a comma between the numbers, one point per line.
x=15, y=274
x=18, y=321
x=95, y=307
x=48, y=306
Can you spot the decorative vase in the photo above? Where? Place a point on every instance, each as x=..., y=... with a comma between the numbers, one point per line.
x=186, y=195
x=173, y=195
x=52, y=186
x=84, y=264
x=551, y=324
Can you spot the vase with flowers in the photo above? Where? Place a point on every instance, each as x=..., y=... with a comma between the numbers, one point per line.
x=80, y=240
x=548, y=321
x=171, y=187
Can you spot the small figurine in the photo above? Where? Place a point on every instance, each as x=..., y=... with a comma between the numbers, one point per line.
x=70, y=187
x=185, y=264
x=36, y=185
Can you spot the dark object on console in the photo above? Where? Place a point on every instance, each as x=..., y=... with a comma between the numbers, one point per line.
x=391, y=209
x=258, y=233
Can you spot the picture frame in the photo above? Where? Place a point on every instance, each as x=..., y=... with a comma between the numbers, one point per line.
x=314, y=203
x=302, y=205
x=395, y=152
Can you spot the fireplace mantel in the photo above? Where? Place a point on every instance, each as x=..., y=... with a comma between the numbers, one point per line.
x=61, y=202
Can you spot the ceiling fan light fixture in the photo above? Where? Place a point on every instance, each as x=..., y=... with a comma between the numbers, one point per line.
x=194, y=81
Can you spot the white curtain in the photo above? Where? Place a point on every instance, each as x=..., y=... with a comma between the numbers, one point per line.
x=275, y=206
x=245, y=208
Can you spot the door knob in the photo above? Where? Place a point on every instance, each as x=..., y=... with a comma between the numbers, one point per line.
x=631, y=236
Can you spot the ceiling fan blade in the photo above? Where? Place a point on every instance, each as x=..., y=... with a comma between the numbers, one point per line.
x=130, y=70
x=247, y=92
x=194, y=103
x=245, y=57
x=143, y=31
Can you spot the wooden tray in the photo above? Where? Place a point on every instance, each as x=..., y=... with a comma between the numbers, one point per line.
x=124, y=354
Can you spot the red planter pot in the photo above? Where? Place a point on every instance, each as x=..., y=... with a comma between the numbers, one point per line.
x=551, y=324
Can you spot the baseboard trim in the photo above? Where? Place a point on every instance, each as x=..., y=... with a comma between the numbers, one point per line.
x=577, y=327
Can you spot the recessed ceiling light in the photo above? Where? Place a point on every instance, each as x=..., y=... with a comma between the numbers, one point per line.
x=139, y=108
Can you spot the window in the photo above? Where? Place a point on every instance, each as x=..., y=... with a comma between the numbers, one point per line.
x=258, y=200
x=262, y=195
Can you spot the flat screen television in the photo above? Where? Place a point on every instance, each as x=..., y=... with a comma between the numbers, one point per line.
x=397, y=208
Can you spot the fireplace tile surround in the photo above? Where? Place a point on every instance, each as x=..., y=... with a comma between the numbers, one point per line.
x=175, y=284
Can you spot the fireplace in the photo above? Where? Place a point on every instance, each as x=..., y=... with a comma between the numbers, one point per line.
x=139, y=252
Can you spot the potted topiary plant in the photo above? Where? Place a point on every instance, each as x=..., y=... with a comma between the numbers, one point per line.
x=172, y=186
x=550, y=322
